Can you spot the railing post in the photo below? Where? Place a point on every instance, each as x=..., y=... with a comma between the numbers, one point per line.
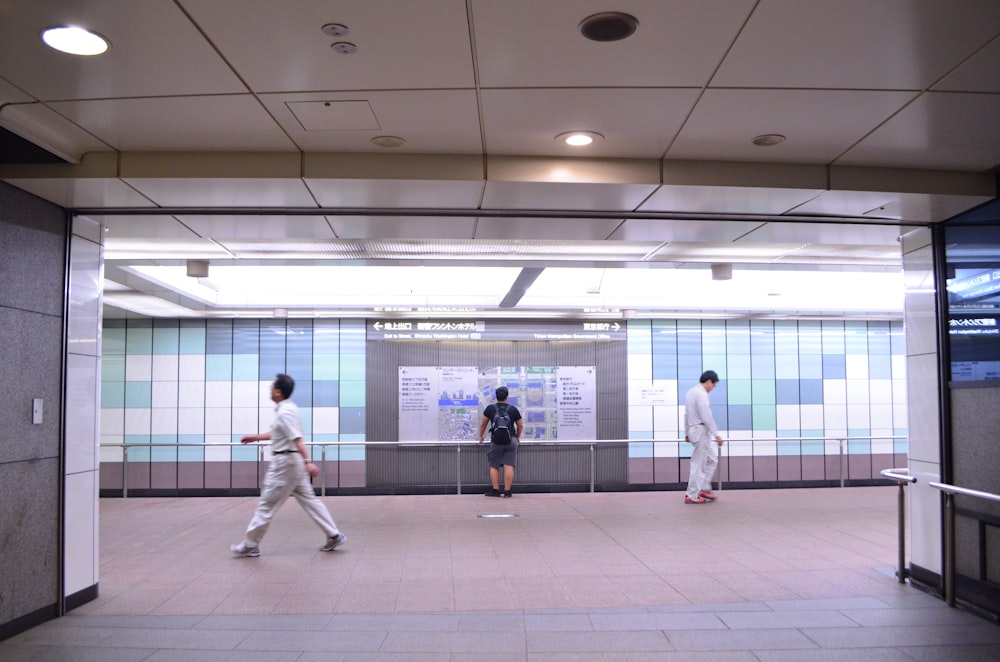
x=125, y=471
x=949, y=549
x=593, y=469
x=901, y=502
x=841, y=461
x=458, y=462
x=322, y=467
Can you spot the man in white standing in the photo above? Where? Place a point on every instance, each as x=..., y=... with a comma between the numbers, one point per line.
x=703, y=433
x=288, y=474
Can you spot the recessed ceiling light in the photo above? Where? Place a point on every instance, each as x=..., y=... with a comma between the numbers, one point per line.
x=75, y=40
x=335, y=30
x=768, y=139
x=344, y=47
x=579, y=138
x=608, y=26
x=388, y=141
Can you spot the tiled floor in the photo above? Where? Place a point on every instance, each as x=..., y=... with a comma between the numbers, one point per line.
x=764, y=575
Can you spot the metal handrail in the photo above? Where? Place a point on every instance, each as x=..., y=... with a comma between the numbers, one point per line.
x=458, y=444
x=948, y=571
x=902, y=478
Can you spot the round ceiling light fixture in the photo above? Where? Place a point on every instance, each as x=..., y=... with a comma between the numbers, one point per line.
x=579, y=138
x=335, y=30
x=344, y=47
x=388, y=141
x=75, y=40
x=609, y=26
x=768, y=140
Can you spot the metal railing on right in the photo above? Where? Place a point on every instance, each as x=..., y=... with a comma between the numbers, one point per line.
x=902, y=478
x=948, y=571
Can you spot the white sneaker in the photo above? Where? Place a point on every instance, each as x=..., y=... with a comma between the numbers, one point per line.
x=333, y=542
x=244, y=549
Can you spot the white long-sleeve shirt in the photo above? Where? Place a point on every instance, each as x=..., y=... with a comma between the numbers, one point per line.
x=698, y=410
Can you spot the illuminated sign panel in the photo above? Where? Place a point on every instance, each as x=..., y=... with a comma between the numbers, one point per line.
x=403, y=330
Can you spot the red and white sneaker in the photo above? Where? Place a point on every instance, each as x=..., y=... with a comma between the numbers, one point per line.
x=695, y=500
x=708, y=495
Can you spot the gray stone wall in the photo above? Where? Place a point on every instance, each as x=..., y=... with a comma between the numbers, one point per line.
x=32, y=286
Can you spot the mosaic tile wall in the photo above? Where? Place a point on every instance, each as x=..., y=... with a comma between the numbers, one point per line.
x=205, y=382
x=779, y=379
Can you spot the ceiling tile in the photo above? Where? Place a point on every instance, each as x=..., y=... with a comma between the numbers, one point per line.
x=395, y=194
x=92, y=192
x=430, y=121
x=405, y=227
x=636, y=123
x=134, y=226
x=957, y=131
x=401, y=44
x=526, y=43
x=248, y=192
x=819, y=124
x=891, y=45
x=980, y=73
x=258, y=227
x=155, y=50
x=524, y=228
x=179, y=123
x=683, y=230
x=563, y=195
x=727, y=199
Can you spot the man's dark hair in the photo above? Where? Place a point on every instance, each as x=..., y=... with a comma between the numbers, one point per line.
x=285, y=384
x=709, y=376
x=502, y=393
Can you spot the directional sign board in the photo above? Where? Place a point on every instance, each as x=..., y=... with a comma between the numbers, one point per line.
x=432, y=330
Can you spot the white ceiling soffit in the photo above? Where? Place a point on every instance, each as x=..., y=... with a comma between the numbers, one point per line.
x=249, y=136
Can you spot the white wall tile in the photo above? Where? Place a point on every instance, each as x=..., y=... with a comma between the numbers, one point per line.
x=191, y=420
x=246, y=394
x=788, y=417
x=166, y=367
x=163, y=420
x=857, y=391
x=665, y=421
x=112, y=421
x=857, y=366
x=640, y=367
x=219, y=394
x=139, y=367
x=191, y=394
x=924, y=505
x=217, y=448
x=82, y=375
x=165, y=394
x=84, y=321
x=326, y=420
x=137, y=421
x=245, y=420
x=835, y=417
x=923, y=408
x=880, y=391
x=81, y=531
x=191, y=367
x=858, y=416
x=881, y=417
x=218, y=421
x=811, y=417
x=640, y=418
x=834, y=391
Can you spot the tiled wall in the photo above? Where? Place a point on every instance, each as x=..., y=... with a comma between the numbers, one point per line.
x=205, y=383
x=779, y=379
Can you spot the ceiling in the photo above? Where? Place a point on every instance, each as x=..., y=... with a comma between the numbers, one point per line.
x=210, y=131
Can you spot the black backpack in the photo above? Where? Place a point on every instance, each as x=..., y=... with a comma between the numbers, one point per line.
x=500, y=432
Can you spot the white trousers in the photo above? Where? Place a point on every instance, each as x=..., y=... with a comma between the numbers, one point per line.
x=704, y=460
x=287, y=476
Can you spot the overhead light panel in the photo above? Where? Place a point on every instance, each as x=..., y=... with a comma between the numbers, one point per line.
x=75, y=40
x=579, y=138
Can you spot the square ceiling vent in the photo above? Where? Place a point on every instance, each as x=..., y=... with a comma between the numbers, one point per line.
x=334, y=115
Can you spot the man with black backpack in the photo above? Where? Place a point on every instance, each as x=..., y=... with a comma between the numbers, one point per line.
x=506, y=426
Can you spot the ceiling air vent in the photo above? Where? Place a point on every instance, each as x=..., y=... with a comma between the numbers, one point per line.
x=608, y=26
